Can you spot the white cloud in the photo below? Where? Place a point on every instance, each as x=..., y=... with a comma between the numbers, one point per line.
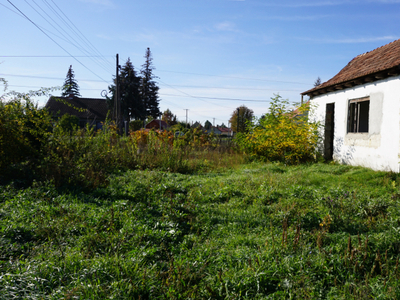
x=225, y=26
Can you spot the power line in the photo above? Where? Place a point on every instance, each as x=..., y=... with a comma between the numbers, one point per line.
x=234, y=77
x=55, y=41
x=218, y=98
x=233, y=88
x=39, y=87
x=76, y=33
x=70, y=39
x=47, y=56
x=55, y=78
x=22, y=16
x=174, y=95
x=82, y=35
x=191, y=95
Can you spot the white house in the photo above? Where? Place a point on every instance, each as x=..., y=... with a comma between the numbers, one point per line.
x=360, y=110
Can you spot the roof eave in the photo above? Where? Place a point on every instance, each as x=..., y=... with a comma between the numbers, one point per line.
x=391, y=72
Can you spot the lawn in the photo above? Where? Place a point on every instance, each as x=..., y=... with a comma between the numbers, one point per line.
x=257, y=231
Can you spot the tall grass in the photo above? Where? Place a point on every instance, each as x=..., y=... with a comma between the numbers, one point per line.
x=33, y=147
x=262, y=231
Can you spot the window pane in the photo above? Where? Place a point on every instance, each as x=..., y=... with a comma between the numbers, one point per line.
x=363, y=116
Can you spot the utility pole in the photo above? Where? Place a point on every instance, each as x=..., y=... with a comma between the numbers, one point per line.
x=117, y=104
x=213, y=122
x=237, y=121
x=186, y=115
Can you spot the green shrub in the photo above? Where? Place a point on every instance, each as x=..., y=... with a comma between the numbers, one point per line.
x=67, y=124
x=282, y=135
x=24, y=129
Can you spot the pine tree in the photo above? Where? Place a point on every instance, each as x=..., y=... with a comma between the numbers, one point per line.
x=148, y=87
x=317, y=82
x=131, y=103
x=70, y=86
x=207, y=125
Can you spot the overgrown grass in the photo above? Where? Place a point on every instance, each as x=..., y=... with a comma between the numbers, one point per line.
x=262, y=231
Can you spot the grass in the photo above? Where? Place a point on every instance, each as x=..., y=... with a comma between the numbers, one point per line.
x=258, y=231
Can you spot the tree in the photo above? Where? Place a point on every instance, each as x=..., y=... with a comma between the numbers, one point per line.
x=148, y=88
x=245, y=115
x=70, y=86
x=283, y=134
x=132, y=107
x=169, y=118
x=317, y=82
x=131, y=104
x=207, y=125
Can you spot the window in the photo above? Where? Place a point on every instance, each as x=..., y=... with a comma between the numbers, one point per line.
x=358, y=115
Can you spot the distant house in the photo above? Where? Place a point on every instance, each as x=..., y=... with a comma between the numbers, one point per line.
x=214, y=130
x=157, y=124
x=197, y=125
x=90, y=111
x=360, y=110
x=225, y=131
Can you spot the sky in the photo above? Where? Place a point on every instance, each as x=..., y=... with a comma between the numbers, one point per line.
x=210, y=56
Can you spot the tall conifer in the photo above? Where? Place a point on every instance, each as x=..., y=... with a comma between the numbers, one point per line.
x=70, y=86
x=148, y=87
x=131, y=103
x=132, y=106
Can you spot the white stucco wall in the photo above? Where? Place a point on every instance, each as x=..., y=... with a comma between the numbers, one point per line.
x=379, y=148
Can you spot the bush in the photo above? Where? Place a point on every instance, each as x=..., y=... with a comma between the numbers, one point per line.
x=67, y=124
x=35, y=147
x=282, y=135
x=24, y=129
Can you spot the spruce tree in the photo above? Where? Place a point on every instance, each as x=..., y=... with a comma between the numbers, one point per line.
x=148, y=87
x=70, y=86
x=132, y=106
x=207, y=125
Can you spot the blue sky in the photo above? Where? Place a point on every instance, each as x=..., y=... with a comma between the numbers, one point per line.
x=211, y=56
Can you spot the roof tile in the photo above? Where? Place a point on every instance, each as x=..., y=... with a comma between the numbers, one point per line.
x=380, y=59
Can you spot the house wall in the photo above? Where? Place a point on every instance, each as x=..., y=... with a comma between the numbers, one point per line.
x=379, y=148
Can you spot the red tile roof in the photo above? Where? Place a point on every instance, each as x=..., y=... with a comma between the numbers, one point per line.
x=381, y=62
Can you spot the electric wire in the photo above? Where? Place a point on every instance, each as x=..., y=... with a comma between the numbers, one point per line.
x=46, y=56
x=188, y=95
x=52, y=78
x=77, y=34
x=165, y=94
x=232, y=88
x=70, y=39
x=218, y=98
x=235, y=77
x=44, y=29
x=55, y=42
x=82, y=35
